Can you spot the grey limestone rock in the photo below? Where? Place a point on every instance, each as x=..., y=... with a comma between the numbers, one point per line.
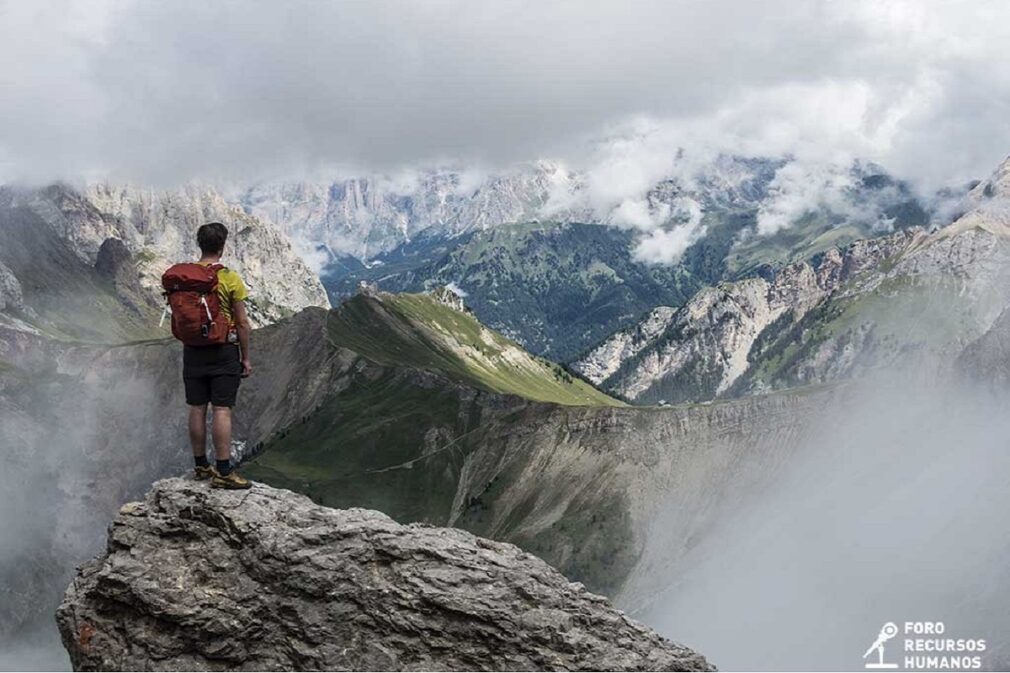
x=198, y=579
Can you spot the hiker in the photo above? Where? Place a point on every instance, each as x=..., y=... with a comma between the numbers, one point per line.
x=207, y=301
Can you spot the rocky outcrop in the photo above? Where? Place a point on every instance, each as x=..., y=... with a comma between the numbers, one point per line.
x=449, y=297
x=363, y=216
x=196, y=579
x=85, y=428
x=829, y=318
x=699, y=351
x=10, y=289
x=157, y=227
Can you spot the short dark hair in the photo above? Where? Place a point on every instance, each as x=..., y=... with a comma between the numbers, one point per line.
x=211, y=237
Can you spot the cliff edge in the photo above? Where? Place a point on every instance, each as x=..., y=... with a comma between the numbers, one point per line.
x=199, y=579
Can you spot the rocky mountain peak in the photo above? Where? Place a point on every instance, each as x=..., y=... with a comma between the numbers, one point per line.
x=987, y=210
x=701, y=349
x=157, y=228
x=449, y=297
x=266, y=580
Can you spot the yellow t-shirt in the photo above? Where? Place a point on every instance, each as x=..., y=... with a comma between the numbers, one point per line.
x=230, y=289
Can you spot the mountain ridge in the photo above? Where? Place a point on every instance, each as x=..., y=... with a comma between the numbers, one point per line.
x=833, y=316
x=436, y=330
x=68, y=228
x=367, y=216
x=561, y=282
x=637, y=362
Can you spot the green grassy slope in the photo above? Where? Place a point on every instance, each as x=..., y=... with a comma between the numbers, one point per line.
x=365, y=447
x=416, y=330
x=434, y=400
x=411, y=445
x=556, y=288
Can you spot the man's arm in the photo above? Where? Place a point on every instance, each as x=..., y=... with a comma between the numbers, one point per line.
x=243, y=328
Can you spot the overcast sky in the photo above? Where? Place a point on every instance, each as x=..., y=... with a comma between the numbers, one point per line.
x=170, y=91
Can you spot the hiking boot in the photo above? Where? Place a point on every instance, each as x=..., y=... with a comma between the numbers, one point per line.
x=232, y=480
x=204, y=472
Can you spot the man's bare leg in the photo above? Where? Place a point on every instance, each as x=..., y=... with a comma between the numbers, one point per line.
x=221, y=432
x=198, y=441
x=198, y=429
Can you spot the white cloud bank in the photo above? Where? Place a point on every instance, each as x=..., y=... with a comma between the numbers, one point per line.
x=626, y=94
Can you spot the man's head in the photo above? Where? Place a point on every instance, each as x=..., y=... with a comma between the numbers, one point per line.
x=211, y=237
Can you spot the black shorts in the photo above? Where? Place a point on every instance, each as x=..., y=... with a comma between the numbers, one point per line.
x=211, y=374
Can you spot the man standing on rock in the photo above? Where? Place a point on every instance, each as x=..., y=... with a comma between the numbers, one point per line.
x=209, y=316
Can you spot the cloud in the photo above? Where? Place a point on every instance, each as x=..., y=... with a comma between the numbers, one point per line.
x=167, y=92
x=456, y=290
x=799, y=188
x=673, y=229
x=315, y=256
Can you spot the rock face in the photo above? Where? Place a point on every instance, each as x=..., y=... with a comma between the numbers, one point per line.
x=447, y=296
x=365, y=216
x=872, y=303
x=196, y=579
x=10, y=289
x=700, y=350
x=158, y=229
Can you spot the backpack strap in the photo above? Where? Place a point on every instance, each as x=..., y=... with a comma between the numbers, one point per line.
x=216, y=268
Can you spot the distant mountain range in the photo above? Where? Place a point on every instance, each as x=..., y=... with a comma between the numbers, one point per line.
x=409, y=404
x=833, y=316
x=561, y=286
x=364, y=217
x=555, y=288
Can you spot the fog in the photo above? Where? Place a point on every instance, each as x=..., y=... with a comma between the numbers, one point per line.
x=895, y=510
x=73, y=452
x=39, y=649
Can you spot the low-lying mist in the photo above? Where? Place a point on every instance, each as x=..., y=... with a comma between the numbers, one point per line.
x=77, y=443
x=895, y=509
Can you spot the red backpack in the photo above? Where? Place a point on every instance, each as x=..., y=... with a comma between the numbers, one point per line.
x=191, y=291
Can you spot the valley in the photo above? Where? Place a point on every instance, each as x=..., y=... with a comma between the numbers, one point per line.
x=560, y=283
x=424, y=426
x=570, y=336
x=408, y=403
